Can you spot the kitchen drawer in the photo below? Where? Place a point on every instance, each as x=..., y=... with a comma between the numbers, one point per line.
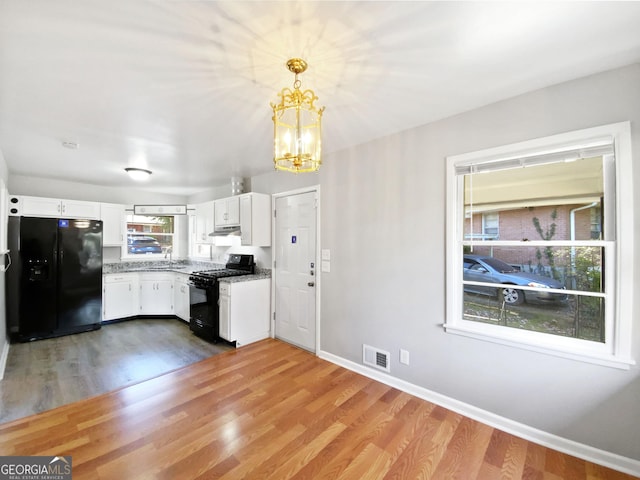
x=114, y=277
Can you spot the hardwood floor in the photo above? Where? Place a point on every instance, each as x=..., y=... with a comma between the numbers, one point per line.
x=48, y=373
x=272, y=411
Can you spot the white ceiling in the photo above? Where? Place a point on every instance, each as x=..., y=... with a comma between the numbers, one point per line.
x=183, y=87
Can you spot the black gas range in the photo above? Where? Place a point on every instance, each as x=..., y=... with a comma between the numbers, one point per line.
x=237, y=265
x=204, y=315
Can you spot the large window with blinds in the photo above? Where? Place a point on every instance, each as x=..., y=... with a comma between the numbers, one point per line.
x=558, y=277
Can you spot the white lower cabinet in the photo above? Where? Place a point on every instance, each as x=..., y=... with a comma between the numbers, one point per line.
x=119, y=296
x=181, y=297
x=156, y=294
x=244, y=310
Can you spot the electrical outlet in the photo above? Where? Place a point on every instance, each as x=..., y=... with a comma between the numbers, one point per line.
x=404, y=357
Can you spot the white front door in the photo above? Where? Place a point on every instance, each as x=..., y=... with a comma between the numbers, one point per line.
x=295, y=269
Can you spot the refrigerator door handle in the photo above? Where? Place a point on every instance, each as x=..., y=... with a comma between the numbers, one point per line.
x=4, y=268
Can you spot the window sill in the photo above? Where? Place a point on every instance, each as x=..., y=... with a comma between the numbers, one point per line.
x=594, y=358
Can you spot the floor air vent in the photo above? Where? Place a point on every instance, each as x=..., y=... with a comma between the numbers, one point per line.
x=374, y=357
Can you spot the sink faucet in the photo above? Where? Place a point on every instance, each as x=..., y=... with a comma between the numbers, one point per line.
x=169, y=253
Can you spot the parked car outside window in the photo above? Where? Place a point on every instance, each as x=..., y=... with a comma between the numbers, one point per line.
x=478, y=268
x=137, y=245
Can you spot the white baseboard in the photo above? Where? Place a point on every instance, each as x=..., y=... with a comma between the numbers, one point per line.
x=4, y=354
x=570, y=447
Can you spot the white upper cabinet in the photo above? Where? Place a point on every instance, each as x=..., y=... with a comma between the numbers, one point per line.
x=204, y=222
x=227, y=212
x=80, y=209
x=250, y=211
x=55, y=207
x=113, y=218
x=255, y=219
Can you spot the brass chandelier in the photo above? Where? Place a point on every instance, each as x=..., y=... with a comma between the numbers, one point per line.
x=297, y=126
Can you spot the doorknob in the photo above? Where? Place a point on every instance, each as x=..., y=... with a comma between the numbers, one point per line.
x=310, y=284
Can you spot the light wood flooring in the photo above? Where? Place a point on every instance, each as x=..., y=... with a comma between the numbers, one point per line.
x=273, y=411
x=48, y=373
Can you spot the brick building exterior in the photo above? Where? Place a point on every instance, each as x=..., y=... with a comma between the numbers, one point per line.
x=518, y=224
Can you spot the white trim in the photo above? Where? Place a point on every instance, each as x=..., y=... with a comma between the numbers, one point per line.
x=569, y=141
x=3, y=358
x=617, y=350
x=311, y=189
x=549, y=440
x=567, y=347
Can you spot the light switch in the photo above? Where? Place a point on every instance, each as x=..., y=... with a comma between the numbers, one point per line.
x=326, y=254
x=326, y=266
x=404, y=357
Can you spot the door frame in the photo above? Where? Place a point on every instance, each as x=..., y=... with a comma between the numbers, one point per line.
x=311, y=189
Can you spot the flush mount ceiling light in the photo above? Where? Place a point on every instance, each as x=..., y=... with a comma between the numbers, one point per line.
x=138, y=174
x=297, y=126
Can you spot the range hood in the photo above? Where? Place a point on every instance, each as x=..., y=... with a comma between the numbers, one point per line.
x=226, y=231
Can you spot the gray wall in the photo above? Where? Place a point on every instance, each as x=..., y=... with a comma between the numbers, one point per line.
x=383, y=218
x=4, y=175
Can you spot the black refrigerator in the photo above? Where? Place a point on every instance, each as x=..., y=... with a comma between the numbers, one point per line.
x=54, y=284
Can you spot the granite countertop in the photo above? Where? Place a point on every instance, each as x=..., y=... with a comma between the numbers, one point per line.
x=182, y=266
x=260, y=274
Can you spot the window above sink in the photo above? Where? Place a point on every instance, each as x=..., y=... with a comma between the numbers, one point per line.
x=149, y=236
